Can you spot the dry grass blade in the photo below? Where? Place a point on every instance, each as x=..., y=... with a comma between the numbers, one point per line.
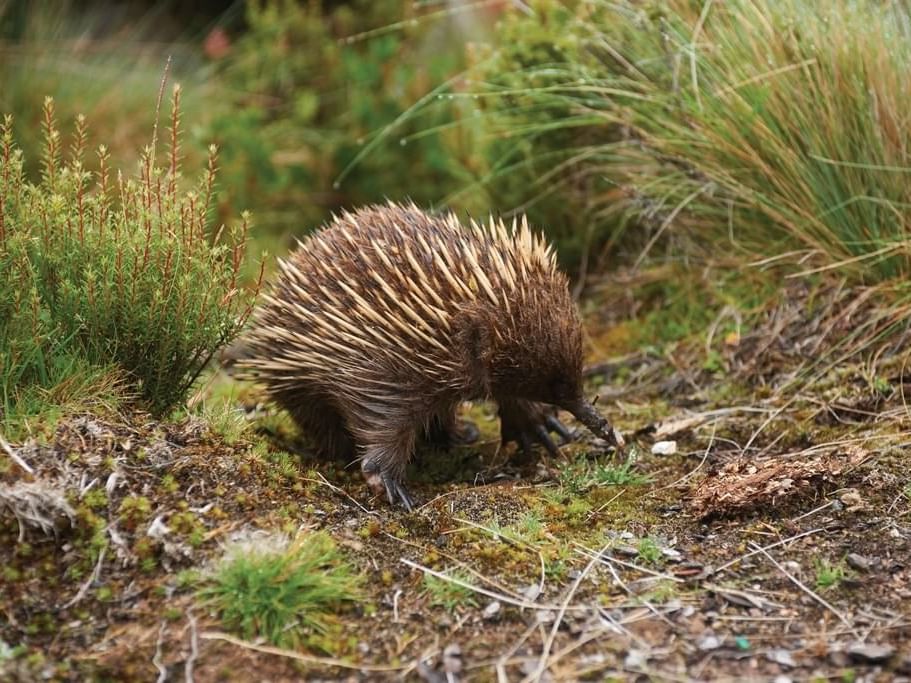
x=299, y=656
x=15, y=456
x=793, y=579
x=37, y=504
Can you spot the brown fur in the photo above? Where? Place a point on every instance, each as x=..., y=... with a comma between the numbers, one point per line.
x=382, y=322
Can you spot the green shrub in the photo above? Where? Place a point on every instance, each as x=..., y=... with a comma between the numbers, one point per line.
x=747, y=125
x=99, y=270
x=281, y=593
x=318, y=97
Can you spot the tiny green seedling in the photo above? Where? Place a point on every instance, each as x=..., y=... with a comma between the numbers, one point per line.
x=829, y=575
x=649, y=551
x=449, y=593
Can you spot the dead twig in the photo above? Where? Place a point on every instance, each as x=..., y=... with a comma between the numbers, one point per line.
x=731, y=563
x=15, y=456
x=793, y=579
x=300, y=657
x=194, y=647
x=549, y=643
x=156, y=658
x=96, y=572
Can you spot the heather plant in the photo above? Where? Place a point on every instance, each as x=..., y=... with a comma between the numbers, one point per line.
x=102, y=270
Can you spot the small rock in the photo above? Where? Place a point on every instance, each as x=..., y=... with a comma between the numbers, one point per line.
x=635, y=659
x=363, y=647
x=858, y=562
x=870, y=653
x=782, y=657
x=851, y=498
x=531, y=592
x=545, y=616
x=158, y=529
x=709, y=642
x=783, y=679
x=792, y=567
x=452, y=659
x=664, y=448
x=491, y=610
x=671, y=554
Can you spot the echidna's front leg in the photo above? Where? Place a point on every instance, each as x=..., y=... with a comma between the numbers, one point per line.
x=383, y=462
x=526, y=422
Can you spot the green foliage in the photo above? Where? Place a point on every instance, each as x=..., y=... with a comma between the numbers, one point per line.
x=281, y=594
x=318, y=94
x=829, y=575
x=751, y=126
x=447, y=593
x=100, y=270
x=537, y=138
x=582, y=474
x=648, y=551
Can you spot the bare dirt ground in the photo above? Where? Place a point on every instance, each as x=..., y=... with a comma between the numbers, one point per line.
x=773, y=545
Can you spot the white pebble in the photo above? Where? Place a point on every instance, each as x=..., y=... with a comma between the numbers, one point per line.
x=664, y=448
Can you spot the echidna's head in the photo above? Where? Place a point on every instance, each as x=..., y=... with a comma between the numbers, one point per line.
x=542, y=361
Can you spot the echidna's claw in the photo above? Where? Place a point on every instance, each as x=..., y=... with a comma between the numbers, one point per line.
x=543, y=438
x=397, y=493
x=556, y=426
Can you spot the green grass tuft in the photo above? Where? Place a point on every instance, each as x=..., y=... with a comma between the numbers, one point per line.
x=746, y=127
x=583, y=474
x=829, y=575
x=281, y=594
x=448, y=594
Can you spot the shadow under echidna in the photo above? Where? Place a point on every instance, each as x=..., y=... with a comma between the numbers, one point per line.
x=381, y=323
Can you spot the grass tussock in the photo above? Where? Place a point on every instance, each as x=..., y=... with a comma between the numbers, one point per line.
x=105, y=274
x=281, y=592
x=760, y=127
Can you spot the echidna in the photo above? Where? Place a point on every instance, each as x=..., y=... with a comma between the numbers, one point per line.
x=381, y=323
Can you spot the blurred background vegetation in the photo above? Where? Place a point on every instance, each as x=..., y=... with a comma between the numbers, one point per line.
x=638, y=134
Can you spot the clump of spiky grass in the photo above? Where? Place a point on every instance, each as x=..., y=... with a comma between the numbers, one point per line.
x=281, y=591
x=98, y=269
x=775, y=126
x=450, y=593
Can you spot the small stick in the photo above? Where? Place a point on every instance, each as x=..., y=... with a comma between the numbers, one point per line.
x=156, y=658
x=806, y=590
x=92, y=579
x=291, y=654
x=194, y=647
x=768, y=547
x=15, y=456
x=552, y=636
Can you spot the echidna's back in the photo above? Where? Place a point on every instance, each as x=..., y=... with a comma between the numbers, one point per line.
x=382, y=286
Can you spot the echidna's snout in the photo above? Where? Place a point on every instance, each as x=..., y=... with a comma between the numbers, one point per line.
x=585, y=411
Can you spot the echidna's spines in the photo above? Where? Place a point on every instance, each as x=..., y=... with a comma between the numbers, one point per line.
x=393, y=316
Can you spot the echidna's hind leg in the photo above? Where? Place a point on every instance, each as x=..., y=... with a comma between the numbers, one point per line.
x=384, y=456
x=446, y=429
x=322, y=424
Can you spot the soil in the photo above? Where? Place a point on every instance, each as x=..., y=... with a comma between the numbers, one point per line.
x=772, y=544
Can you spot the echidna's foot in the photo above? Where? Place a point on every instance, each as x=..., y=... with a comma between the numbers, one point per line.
x=527, y=423
x=388, y=484
x=465, y=432
x=458, y=433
